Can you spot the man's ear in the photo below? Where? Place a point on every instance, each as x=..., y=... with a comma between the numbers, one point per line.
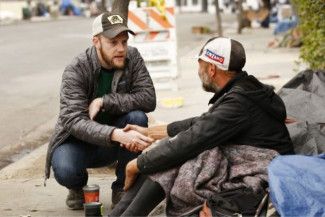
x=212, y=70
x=96, y=42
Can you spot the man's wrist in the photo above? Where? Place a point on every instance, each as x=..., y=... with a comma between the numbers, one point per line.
x=157, y=132
x=116, y=135
x=134, y=166
x=101, y=102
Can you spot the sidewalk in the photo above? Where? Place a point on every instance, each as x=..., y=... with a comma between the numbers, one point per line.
x=22, y=190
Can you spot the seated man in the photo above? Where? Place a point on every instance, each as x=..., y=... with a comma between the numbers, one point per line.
x=103, y=89
x=224, y=152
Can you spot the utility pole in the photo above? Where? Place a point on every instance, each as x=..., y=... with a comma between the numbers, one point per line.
x=218, y=18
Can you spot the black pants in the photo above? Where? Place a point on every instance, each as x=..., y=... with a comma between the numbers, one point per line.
x=139, y=200
x=145, y=195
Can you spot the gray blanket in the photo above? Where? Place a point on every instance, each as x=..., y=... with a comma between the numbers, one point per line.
x=213, y=171
x=304, y=97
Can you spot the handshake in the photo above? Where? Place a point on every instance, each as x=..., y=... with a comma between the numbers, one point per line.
x=136, y=138
x=132, y=137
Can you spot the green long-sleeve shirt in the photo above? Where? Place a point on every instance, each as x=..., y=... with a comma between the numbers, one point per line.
x=104, y=87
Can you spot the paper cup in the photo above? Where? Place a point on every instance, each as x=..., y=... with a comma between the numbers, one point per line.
x=91, y=193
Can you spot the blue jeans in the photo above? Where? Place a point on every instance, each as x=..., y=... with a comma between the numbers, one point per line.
x=71, y=159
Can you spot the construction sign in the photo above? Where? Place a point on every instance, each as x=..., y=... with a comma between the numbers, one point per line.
x=153, y=21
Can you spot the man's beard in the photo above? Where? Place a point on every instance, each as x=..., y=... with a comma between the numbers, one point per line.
x=208, y=85
x=109, y=61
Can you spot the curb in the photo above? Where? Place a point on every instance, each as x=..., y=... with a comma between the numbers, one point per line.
x=26, y=162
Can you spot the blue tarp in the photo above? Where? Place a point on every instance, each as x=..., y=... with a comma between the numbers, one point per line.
x=297, y=185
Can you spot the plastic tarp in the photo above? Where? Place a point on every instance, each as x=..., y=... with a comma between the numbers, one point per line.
x=304, y=97
x=297, y=185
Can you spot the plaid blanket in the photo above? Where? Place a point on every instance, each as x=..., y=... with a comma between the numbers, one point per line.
x=215, y=170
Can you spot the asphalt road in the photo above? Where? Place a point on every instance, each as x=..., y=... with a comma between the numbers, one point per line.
x=32, y=58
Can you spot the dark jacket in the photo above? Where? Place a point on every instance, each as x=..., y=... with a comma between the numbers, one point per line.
x=244, y=112
x=132, y=89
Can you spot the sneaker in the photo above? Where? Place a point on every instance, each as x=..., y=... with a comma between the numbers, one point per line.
x=116, y=197
x=75, y=199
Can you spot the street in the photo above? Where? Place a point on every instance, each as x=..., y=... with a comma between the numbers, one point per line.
x=33, y=57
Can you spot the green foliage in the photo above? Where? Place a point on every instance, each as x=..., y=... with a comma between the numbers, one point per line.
x=311, y=15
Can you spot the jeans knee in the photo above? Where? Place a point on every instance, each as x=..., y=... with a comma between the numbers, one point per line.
x=70, y=177
x=138, y=118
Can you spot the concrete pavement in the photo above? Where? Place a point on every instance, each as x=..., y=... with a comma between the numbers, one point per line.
x=22, y=191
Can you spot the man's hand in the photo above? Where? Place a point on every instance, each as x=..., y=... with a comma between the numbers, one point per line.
x=94, y=107
x=142, y=130
x=290, y=120
x=205, y=211
x=131, y=173
x=154, y=132
x=131, y=140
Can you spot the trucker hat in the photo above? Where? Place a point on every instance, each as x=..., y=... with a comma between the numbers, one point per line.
x=227, y=54
x=110, y=24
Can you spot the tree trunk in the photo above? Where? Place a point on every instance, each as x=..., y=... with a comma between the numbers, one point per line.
x=218, y=18
x=121, y=6
x=240, y=16
x=103, y=6
x=204, y=5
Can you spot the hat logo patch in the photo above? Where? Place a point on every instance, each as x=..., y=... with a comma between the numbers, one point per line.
x=213, y=56
x=115, y=19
